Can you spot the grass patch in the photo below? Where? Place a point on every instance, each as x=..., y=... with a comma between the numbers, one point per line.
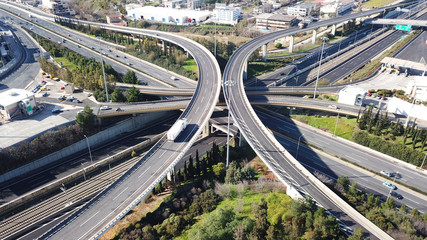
x=377, y=3
x=190, y=65
x=345, y=126
x=65, y=63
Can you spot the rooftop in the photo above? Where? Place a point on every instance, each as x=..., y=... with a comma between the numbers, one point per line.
x=14, y=95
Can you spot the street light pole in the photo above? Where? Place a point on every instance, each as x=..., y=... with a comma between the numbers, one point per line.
x=103, y=70
x=228, y=83
x=422, y=164
x=64, y=189
x=320, y=63
x=336, y=124
x=88, y=146
x=299, y=139
x=215, y=40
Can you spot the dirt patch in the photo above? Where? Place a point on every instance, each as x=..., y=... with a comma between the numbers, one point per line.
x=138, y=212
x=258, y=165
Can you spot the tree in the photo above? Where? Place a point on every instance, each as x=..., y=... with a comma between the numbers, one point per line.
x=133, y=95
x=86, y=118
x=278, y=45
x=190, y=167
x=117, y=95
x=130, y=77
x=343, y=181
x=198, y=163
x=219, y=169
x=357, y=235
x=261, y=223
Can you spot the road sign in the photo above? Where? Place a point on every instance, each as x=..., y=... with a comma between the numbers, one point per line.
x=403, y=27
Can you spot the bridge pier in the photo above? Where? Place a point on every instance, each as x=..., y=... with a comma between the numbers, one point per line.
x=264, y=52
x=245, y=71
x=313, y=38
x=206, y=131
x=291, y=44
x=171, y=175
x=334, y=29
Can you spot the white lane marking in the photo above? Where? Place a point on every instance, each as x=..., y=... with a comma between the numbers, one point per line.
x=120, y=193
x=89, y=219
x=144, y=172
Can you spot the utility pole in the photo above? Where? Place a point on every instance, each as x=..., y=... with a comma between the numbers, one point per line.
x=228, y=83
x=324, y=39
x=103, y=70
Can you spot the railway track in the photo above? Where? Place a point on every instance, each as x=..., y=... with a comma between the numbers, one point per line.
x=37, y=214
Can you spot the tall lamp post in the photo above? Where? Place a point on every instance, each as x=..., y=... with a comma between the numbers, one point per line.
x=64, y=189
x=422, y=164
x=103, y=70
x=324, y=39
x=88, y=146
x=228, y=83
x=299, y=139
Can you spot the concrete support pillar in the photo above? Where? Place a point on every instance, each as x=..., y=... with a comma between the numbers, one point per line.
x=171, y=175
x=206, y=131
x=245, y=71
x=264, y=52
x=163, y=46
x=334, y=29
x=291, y=44
x=313, y=38
x=242, y=141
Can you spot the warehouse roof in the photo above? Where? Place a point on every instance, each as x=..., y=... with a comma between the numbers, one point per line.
x=13, y=96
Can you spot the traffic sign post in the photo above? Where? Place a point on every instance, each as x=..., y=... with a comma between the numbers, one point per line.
x=403, y=27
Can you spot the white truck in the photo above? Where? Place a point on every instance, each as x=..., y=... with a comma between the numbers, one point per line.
x=176, y=129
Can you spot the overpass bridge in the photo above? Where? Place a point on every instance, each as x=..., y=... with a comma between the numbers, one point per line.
x=412, y=22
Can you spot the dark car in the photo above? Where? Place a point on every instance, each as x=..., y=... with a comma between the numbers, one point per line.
x=397, y=195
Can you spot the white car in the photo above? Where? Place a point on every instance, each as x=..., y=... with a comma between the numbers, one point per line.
x=333, y=106
x=105, y=108
x=387, y=173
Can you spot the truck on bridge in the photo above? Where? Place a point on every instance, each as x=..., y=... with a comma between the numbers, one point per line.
x=176, y=129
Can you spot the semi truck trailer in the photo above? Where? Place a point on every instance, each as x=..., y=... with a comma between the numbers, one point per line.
x=176, y=129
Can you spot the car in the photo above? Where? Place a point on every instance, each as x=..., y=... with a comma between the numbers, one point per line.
x=369, y=94
x=119, y=109
x=105, y=108
x=61, y=98
x=333, y=106
x=384, y=98
x=79, y=46
x=397, y=195
x=389, y=185
x=48, y=37
x=44, y=94
x=117, y=55
x=92, y=48
x=62, y=88
x=80, y=111
x=56, y=110
x=43, y=82
x=387, y=173
x=89, y=94
x=109, y=50
x=130, y=64
x=174, y=78
x=69, y=35
x=79, y=39
x=77, y=101
x=282, y=73
x=124, y=57
x=379, y=96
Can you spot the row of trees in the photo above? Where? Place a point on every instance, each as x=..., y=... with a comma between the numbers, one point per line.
x=146, y=48
x=379, y=125
x=396, y=221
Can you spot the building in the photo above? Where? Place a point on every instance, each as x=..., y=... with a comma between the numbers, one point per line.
x=266, y=8
x=193, y=4
x=302, y=9
x=400, y=107
x=168, y=15
x=417, y=88
x=275, y=21
x=113, y=18
x=173, y=3
x=351, y=96
x=337, y=6
x=16, y=102
x=58, y=7
x=226, y=15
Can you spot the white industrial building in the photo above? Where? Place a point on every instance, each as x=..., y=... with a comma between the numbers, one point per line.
x=226, y=15
x=351, y=95
x=58, y=7
x=302, y=9
x=336, y=6
x=16, y=102
x=168, y=15
x=398, y=106
x=417, y=88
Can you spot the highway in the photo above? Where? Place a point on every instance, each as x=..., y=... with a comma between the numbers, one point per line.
x=81, y=43
x=267, y=147
x=21, y=76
